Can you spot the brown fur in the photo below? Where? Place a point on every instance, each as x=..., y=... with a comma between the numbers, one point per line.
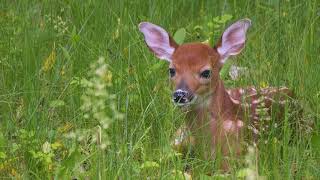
x=223, y=120
x=216, y=116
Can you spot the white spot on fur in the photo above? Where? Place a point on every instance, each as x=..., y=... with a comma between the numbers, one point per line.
x=255, y=101
x=269, y=99
x=253, y=89
x=283, y=102
x=255, y=131
x=234, y=100
x=255, y=117
x=283, y=88
x=228, y=125
x=240, y=123
x=261, y=110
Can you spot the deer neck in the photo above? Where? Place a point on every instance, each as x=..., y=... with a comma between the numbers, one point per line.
x=215, y=105
x=222, y=106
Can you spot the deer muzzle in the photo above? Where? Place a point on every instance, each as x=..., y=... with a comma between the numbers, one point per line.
x=182, y=97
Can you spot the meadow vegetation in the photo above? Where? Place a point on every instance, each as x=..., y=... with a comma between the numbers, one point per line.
x=82, y=96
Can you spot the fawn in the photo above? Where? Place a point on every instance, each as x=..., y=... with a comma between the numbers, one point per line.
x=215, y=116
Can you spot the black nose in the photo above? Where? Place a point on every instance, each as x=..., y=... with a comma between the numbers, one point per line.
x=180, y=96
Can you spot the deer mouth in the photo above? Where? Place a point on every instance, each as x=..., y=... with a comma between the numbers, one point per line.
x=186, y=102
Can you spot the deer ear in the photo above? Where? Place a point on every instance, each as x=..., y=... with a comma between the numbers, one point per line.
x=158, y=40
x=233, y=39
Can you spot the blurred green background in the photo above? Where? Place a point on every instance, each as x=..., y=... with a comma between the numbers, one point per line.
x=47, y=48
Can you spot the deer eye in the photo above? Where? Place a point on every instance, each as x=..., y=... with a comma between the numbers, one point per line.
x=172, y=72
x=206, y=74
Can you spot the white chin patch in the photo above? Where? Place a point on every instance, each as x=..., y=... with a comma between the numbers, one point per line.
x=187, y=103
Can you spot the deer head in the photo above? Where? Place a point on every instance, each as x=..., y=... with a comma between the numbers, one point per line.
x=194, y=67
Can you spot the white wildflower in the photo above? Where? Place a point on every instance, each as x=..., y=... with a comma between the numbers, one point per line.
x=235, y=71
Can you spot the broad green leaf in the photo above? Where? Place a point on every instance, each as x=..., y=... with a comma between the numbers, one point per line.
x=210, y=25
x=180, y=35
x=3, y=155
x=226, y=17
x=75, y=81
x=198, y=28
x=222, y=19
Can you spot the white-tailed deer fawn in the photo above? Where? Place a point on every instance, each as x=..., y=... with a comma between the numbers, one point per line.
x=213, y=112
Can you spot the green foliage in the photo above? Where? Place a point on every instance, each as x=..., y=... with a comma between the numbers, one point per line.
x=224, y=73
x=180, y=35
x=64, y=115
x=211, y=28
x=208, y=32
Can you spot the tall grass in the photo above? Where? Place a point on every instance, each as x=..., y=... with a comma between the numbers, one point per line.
x=46, y=48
